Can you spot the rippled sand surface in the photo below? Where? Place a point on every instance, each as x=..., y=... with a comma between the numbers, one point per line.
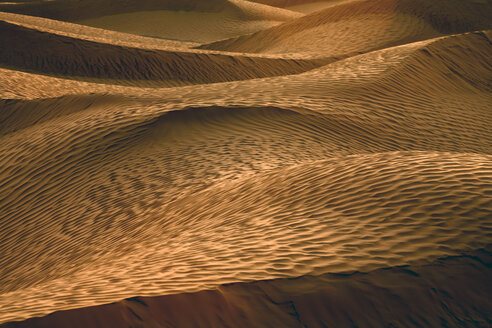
x=260, y=163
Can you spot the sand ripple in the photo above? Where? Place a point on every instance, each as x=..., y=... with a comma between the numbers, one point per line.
x=435, y=291
x=337, y=171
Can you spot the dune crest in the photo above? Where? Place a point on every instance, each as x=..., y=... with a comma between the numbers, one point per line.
x=238, y=17
x=54, y=54
x=362, y=26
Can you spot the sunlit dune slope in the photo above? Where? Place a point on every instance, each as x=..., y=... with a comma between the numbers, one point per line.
x=361, y=26
x=27, y=48
x=365, y=163
x=328, y=300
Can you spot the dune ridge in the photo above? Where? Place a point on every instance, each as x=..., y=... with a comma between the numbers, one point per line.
x=184, y=20
x=29, y=49
x=71, y=11
x=17, y=114
x=362, y=26
x=311, y=7
x=94, y=34
x=285, y=3
x=237, y=17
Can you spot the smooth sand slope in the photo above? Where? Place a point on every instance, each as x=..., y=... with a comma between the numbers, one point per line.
x=201, y=21
x=238, y=17
x=75, y=10
x=287, y=3
x=311, y=7
x=352, y=192
x=303, y=6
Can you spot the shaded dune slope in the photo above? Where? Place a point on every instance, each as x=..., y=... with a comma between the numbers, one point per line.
x=29, y=49
x=71, y=11
x=204, y=21
x=311, y=7
x=363, y=26
x=99, y=35
x=437, y=294
x=285, y=3
x=301, y=159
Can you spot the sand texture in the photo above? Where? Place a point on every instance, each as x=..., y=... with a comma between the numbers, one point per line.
x=246, y=163
x=361, y=26
x=325, y=300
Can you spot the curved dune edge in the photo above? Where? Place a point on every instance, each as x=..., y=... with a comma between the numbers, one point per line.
x=29, y=49
x=98, y=35
x=286, y=3
x=311, y=7
x=362, y=26
x=63, y=10
x=71, y=11
x=184, y=20
x=239, y=17
x=16, y=85
x=94, y=34
x=20, y=114
x=453, y=291
x=410, y=75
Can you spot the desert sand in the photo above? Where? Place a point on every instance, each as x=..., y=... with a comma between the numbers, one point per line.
x=236, y=163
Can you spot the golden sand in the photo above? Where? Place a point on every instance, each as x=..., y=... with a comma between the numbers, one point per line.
x=263, y=163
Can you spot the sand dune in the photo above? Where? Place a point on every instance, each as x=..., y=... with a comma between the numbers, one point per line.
x=238, y=17
x=287, y=3
x=311, y=7
x=339, y=215
x=71, y=11
x=94, y=34
x=150, y=165
x=202, y=21
x=362, y=26
x=27, y=48
x=303, y=6
x=344, y=182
